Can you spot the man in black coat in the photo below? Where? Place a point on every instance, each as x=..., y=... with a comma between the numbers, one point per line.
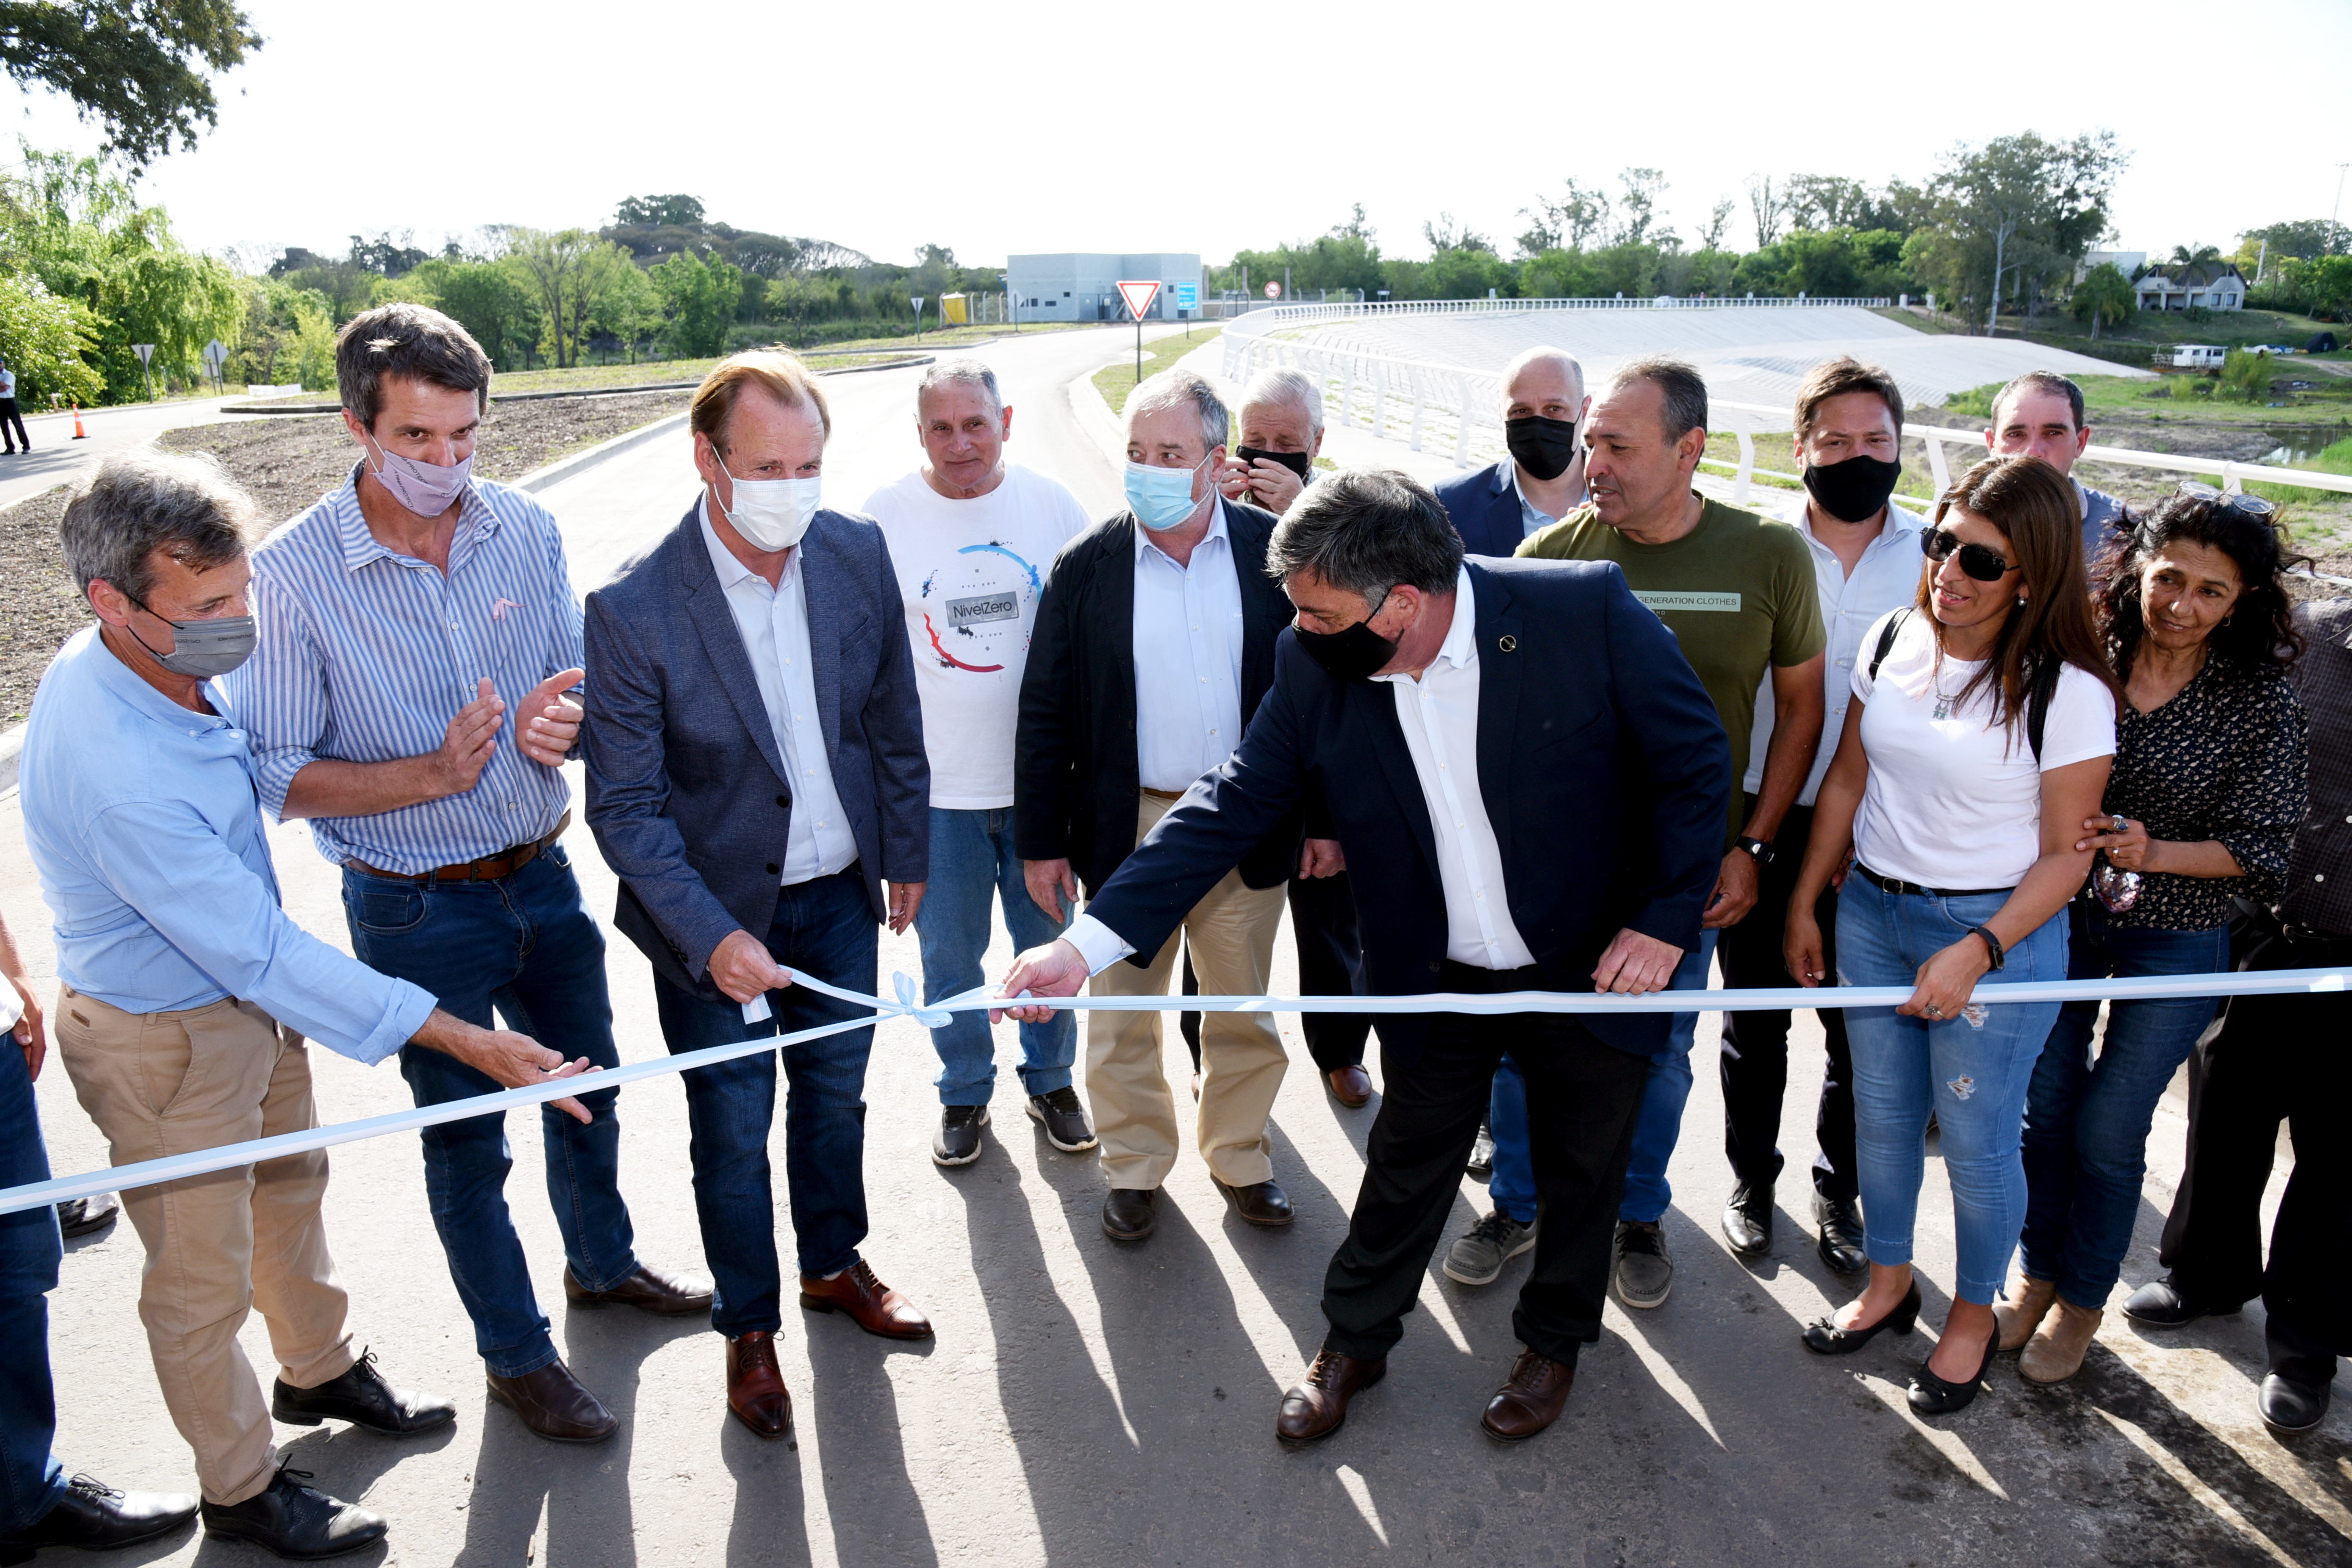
x=1529, y=783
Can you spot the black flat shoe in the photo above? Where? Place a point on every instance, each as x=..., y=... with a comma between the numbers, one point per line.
x=1129, y=1215
x=2286, y=1405
x=2159, y=1304
x=1931, y=1396
x=1824, y=1337
x=96, y=1517
x=363, y=1398
x=1748, y=1219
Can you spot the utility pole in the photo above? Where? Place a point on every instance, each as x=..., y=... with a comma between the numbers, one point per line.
x=2335, y=229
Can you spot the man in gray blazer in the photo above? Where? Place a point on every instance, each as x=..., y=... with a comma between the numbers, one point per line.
x=756, y=776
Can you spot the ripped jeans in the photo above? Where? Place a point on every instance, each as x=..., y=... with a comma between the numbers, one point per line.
x=1972, y=1071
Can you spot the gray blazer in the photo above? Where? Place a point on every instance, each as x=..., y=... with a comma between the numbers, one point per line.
x=687, y=792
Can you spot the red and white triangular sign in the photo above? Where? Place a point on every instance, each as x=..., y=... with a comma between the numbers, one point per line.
x=1139, y=297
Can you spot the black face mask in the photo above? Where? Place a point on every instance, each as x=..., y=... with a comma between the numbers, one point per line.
x=1296, y=462
x=1353, y=653
x=1853, y=490
x=1544, y=448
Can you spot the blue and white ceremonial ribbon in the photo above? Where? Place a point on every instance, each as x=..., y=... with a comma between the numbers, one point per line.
x=907, y=1004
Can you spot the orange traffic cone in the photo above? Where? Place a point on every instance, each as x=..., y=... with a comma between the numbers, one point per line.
x=79, y=434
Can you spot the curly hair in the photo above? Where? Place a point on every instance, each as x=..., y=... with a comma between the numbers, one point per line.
x=2258, y=634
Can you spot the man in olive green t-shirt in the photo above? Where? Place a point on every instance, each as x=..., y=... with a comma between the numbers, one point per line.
x=1739, y=593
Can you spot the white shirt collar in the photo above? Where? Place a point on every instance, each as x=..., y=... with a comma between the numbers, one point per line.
x=1899, y=523
x=1143, y=539
x=1460, y=648
x=732, y=573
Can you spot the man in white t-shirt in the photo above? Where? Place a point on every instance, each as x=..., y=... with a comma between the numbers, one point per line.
x=971, y=536
x=12, y=422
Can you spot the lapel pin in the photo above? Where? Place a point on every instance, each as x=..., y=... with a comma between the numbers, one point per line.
x=1508, y=643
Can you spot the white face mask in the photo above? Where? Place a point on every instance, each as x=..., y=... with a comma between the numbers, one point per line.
x=771, y=514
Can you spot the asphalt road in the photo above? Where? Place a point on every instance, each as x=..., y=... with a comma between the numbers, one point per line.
x=1085, y=1403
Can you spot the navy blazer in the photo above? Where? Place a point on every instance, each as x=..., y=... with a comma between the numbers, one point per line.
x=1484, y=507
x=686, y=790
x=1602, y=765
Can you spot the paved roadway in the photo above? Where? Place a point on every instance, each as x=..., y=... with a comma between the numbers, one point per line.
x=1085, y=1403
x=57, y=457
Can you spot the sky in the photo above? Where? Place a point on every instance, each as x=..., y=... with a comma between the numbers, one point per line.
x=1058, y=126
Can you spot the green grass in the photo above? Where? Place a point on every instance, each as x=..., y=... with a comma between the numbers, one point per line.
x=1116, y=381
x=2177, y=397
x=2334, y=459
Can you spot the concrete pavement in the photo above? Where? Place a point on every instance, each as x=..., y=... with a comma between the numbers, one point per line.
x=1085, y=1403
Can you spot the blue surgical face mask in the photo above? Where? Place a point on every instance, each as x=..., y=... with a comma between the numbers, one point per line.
x=1162, y=499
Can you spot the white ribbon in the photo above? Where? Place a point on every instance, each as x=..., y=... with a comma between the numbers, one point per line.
x=935, y=1014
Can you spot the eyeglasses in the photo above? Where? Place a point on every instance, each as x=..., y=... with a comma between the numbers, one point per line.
x=2252, y=506
x=1974, y=560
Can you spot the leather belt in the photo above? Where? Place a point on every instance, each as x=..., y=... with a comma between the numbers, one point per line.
x=489, y=868
x=1164, y=793
x=1890, y=885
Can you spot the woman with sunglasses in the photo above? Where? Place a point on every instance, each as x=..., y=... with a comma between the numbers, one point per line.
x=1979, y=739
x=2207, y=791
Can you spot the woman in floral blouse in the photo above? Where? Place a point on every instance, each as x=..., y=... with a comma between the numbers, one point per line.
x=2207, y=789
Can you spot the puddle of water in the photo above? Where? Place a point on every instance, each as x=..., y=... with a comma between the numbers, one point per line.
x=2300, y=449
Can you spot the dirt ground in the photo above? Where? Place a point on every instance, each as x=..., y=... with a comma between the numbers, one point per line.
x=288, y=463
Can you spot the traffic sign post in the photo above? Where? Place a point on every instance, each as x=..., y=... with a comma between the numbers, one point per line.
x=1138, y=296
x=1188, y=300
x=146, y=351
x=215, y=356
x=918, y=299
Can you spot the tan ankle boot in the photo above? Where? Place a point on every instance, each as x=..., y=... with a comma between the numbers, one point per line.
x=2018, y=1317
x=2056, y=1351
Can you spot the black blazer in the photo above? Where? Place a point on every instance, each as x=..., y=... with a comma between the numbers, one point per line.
x=1484, y=509
x=1076, y=780
x=1588, y=718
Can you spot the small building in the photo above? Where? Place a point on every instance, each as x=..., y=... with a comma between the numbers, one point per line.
x=2130, y=263
x=1081, y=286
x=2187, y=285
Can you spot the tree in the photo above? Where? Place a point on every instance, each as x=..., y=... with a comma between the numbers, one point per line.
x=2018, y=205
x=1768, y=206
x=2302, y=240
x=1445, y=235
x=571, y=272
x=139, y=67
x=1639, y=204
x=1580, y=215
x=697, y=301
x=384, y=257
x=2105, y=296
x=2329, y=283
x=1718, y=223
x=489, y=299
x=2195, y=256
x=44, y=339
x=655, y=212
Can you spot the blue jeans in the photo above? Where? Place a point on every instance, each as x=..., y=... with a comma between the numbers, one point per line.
x=1971, y=1071
x=973, y=867
x=31, y=1480
x=527, y=946
x=2086, y=1122
x=1512, y=1186
x=825, y=927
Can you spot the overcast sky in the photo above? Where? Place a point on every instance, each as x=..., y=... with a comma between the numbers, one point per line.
x=1059, y=126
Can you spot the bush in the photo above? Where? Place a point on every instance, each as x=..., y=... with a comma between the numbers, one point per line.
x=1977, y=400
x=2245, y=378
x=2197, y=315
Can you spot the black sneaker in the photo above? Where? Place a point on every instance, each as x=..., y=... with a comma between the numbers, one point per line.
x=97, y=1518
x=363, y=1398
x=1482, y=1154
x=83, y=1217
x=1644, y=1270
x=1478, y=1255
x=1064, y=1120
x=294, y=1520
x=958, y=1143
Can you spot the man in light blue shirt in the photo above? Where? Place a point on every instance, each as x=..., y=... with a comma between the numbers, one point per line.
x=186, y=993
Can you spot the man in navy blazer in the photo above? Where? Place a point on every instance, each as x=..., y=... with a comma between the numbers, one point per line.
x=756, y=777
x=1542, y=480
x=1528, y=783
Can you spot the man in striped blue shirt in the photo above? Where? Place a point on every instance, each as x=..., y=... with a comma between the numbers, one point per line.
x=397, y=618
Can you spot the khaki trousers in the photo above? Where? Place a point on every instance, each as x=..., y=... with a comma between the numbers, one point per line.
x=1232, y=934
x=217, y=1246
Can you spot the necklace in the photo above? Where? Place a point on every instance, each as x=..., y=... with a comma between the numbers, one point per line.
x=1943, y=699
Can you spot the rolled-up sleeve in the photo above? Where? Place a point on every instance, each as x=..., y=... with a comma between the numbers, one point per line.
x=164, y=860
x=279, y=697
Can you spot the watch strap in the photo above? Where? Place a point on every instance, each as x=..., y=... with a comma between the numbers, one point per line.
x=1993, y=944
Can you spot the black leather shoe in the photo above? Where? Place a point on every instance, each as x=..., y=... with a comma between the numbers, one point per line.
x=97, y=1518
x=1128, y=1213
x=1057, y=1110
x=2287, y=1405
x=1260, y=1202
x=1747, y=1219
x=84, y=1217
x=2159, y=1304
x=361, y=1397
x=957, y=1142
x=294, y=1520
x=1840, y=1244
x=1931, y=1396
x=1824, y=1337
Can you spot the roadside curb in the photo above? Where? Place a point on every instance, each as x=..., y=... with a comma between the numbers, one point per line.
x=12, y=746
x=579, y=463
x=1095, y=416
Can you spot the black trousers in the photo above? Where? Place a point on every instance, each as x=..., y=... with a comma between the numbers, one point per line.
x=12, y=426
x=1330, y=963
x=2272, y=1058
x=1583, y=1098
x=1755, y=1059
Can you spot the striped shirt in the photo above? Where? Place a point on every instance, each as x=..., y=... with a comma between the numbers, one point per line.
x=364, y=656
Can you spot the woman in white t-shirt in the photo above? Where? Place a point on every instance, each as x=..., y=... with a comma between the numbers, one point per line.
x=1982, y=727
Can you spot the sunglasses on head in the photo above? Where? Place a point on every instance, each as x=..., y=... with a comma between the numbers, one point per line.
x=1974, y=560
x=2252, y=506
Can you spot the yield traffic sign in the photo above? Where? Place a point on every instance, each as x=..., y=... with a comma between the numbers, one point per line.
x=1139, y=297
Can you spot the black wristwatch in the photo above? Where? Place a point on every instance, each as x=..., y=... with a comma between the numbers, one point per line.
x=1761, y=849
x=1993, y=944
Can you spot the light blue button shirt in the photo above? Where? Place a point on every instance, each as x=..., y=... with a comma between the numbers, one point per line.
x=1531, y=516
x=144, y=825
x=1188, y=658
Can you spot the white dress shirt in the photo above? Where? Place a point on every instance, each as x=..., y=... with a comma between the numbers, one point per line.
x=775, y=628
x=1188, y=657
x=1438, y=711
x=1885, y=578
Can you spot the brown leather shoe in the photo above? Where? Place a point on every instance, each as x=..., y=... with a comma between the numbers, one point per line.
x=554, y=1404
x=1351, y=1086
x=755, y=1385
x=871, y=1305
x=1318, y=1406
x=1530, y=1401
x=648, y=1291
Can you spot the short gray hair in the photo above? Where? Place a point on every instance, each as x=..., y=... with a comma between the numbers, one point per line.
x=138, y=502
x=969, y=372
x=1366, y=530
x=1683, y=409
x=1176, y=388
x=1279, y=383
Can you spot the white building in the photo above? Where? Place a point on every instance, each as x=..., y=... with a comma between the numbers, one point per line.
x=2182, y=286
x=1079, y=286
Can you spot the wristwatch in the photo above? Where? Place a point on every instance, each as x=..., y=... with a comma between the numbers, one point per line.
x=1758, y=847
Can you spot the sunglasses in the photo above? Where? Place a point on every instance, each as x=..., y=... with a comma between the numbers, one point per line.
x=2252, y=506
x=1974, y=560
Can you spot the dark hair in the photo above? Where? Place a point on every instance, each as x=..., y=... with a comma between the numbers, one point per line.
x=1836, y=378
x=2033, y=506
x=1366, y=530
x=138, y=502
x=2040, y=381
x=410, y=341
x=1683, y=403
x=2259, y=633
